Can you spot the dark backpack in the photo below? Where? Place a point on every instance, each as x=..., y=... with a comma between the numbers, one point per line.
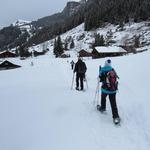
x=81, y=68
x=109, y=80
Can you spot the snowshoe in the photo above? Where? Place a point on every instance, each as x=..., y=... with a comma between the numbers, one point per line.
x=116, y=121
x=99, y=108
x=77, y=88
x=80, y=89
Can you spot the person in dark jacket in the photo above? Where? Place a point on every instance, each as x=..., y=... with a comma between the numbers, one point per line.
x=80, y=70
x=72, y=64
x=106, y=91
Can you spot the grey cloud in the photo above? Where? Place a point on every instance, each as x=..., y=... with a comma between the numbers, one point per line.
x=11, y=10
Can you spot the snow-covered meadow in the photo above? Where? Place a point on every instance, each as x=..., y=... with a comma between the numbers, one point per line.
x=39, y=111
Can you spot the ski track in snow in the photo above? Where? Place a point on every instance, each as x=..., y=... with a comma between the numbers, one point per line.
x=39, y=111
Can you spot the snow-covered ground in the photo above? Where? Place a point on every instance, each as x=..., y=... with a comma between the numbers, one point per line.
x=39, y=111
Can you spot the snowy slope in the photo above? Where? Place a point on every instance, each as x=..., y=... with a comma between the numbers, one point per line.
x=112, y=34
x=23, y=25
x=38, y=110
x=20, y=22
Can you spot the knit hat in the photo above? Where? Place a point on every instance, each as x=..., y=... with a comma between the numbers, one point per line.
x=80, y=59
x=108, y=62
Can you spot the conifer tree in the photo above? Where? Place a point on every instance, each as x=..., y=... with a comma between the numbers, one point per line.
x=66, y=46
x=55, y=48
x=102, y=41
x=99, y=40
x=137, y=41
x=72, y=44
x=58, y=47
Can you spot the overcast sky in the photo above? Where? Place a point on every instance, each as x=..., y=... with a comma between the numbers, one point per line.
x=11, y=10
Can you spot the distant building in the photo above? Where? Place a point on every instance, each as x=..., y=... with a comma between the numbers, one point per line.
x=64, y=55
x=37, y=53
x=84, y=53
x=6, y=54
x=110, y=51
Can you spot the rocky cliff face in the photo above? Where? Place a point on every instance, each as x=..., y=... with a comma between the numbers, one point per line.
x=71, y=8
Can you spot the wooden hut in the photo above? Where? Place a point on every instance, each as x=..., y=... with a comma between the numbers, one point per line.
x=6, y=54
x=8, y=65
x=111, y=51
x=83, y=53
x=38, y=53
x=64, y=55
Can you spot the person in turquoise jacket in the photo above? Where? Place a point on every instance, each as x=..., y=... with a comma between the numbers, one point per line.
x=109, y=89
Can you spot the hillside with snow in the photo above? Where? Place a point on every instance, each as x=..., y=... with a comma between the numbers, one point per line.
x=39, y=111
x=113, y=36
x=23, y=25
x=20, y=22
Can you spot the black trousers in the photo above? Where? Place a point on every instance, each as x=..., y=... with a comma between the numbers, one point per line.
x=72, y=66
x=112, y=99
x=80, y=77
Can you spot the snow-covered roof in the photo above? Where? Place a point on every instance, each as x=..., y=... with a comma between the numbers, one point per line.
x=143, y=48
x=110, y=49
x=6, y=51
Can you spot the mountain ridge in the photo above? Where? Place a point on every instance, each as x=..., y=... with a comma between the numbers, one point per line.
x=74, y=14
